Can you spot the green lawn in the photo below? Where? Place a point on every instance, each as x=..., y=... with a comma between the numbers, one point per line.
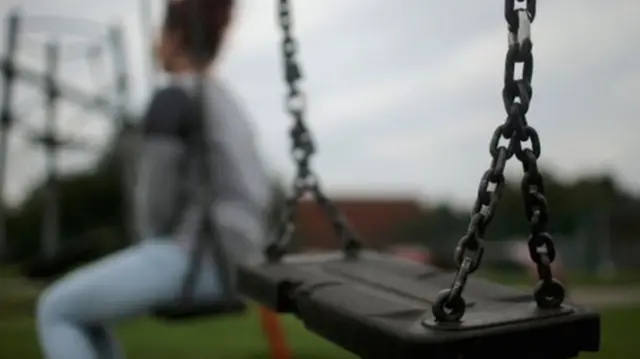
x=522, y=278
x=241, y=337
x=223, y=338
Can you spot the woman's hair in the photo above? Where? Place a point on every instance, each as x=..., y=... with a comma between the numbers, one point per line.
x=213, y=17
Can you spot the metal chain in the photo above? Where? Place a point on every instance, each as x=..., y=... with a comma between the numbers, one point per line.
x=302, y=149
x=516, y=95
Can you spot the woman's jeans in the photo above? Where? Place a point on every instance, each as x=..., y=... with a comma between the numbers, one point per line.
x=75, y=315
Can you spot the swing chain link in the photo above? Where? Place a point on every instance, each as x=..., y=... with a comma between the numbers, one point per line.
x=302, y=149
x=516, y=95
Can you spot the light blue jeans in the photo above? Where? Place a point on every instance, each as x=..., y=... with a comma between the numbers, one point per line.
x=76, y=314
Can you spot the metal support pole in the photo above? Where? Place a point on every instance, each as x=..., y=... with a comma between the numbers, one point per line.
x=50, y=226
x=89, y=102
x=6, y=118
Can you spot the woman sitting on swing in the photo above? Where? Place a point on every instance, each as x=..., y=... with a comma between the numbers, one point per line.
x=75, y=315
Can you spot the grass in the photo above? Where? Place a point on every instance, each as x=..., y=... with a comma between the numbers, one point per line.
x=573, y=279
x=228, y=338
x=242, y=338
x=236, y=338
x=619, y=334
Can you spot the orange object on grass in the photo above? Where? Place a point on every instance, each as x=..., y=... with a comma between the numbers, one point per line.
x=275, y=334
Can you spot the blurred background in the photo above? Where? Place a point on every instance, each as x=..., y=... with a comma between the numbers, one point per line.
x=403, y=99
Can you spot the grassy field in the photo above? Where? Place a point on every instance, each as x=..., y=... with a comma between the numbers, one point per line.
x=522, y=278
x=224, y=338
x=235, y=338
x=241, y=337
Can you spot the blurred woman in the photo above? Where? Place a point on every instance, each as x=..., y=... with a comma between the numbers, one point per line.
x=75, y=315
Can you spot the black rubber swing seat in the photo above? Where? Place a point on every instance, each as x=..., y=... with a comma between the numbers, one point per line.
x=183, y=311
x=378, y=306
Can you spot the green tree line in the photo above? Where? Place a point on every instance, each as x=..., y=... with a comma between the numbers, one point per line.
x=573, y=206
x=92, y=222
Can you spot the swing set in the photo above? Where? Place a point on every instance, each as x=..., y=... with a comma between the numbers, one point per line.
x=379, y=306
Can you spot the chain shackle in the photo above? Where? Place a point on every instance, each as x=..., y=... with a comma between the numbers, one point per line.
x=516, y=96
x=302, y=150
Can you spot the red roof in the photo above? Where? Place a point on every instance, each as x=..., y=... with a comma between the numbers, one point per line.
x=373, y=219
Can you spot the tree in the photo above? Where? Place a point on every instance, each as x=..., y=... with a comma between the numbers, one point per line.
x=87, y=200
x=571, y=205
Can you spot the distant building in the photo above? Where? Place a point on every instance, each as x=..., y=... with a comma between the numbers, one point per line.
x=375, y=219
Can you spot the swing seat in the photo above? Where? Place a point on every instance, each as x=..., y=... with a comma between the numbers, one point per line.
x=185, y=311
x=378, y=306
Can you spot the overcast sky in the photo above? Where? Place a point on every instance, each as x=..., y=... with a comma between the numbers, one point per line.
x=404, y=95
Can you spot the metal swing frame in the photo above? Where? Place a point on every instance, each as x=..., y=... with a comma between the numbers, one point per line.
x=18, y=25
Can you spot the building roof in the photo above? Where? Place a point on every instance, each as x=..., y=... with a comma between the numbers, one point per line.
x=373, y=218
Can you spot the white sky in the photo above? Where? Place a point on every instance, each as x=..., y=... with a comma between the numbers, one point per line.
x=404, y=95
